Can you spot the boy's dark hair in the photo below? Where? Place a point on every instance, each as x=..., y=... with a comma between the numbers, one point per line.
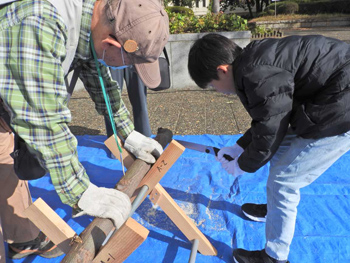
x=207, y=53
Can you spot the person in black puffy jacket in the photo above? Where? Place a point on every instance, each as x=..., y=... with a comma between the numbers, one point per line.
x=297, y=91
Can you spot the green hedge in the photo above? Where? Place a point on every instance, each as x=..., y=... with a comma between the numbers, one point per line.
x=285, y=8
x=319, y=7
x=306, y=1
x=179, y=23
x=180, y=10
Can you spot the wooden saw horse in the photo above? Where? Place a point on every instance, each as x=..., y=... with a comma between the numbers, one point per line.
x=119, y=244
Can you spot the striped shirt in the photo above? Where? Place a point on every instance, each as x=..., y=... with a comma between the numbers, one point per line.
x=32, y=86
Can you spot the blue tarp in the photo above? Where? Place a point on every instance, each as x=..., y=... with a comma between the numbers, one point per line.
x=212, y=199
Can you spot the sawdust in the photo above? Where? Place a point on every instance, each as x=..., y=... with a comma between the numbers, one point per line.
x=207, y=211
x=152, y=211
x=200, y=223
x=188, y=208
x=191, y=211
x=220, y=224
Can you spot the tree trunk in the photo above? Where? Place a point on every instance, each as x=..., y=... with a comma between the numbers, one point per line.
x=215, y=6
x=258, y=6
x=250, y=9
x=96, y=232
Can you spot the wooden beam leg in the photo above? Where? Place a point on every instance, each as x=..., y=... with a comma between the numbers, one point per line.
x=128, y=158
x=160, y=197
x=161, y=167
x=125, y=241
x=51, y=224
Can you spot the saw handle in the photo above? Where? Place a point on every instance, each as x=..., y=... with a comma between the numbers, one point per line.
x=227, y=157
x=164, y=136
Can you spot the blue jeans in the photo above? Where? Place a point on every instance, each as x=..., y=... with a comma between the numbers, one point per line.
x=297, y=163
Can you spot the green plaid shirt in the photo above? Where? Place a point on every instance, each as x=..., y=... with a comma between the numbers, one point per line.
x=32, y=48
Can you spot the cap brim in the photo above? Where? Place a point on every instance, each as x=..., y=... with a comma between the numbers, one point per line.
x=149, y=74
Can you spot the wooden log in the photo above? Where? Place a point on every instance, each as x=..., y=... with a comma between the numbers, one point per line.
x=125, y=241
x=136, y=168
x=96, y=232
x=154, y=175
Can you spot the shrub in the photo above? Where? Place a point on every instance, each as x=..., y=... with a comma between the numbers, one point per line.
x=260, y=30
x=180, y=10
x=180, y=23
x=285, y=8
x=267, y=12
x=305, y=1
x=335, y=6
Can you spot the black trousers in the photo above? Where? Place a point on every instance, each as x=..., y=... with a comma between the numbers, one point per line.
x=137, y=93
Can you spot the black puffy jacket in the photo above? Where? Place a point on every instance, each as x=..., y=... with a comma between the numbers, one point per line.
x=297, y=81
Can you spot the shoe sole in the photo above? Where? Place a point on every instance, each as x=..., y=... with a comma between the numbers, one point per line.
x=235, y=260
x=51, y=253
x=54, y=253
x=254, y=218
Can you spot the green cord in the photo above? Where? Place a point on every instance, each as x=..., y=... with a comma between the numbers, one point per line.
x=105, y=95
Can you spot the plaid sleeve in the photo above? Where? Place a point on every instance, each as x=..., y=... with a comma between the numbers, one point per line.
x=89, y=77
x=35, y=93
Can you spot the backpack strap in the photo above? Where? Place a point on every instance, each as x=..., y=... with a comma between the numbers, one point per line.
x=166, y=55
x=70, y=86
x=4, y=117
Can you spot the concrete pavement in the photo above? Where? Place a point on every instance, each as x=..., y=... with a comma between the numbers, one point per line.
x=192, y=111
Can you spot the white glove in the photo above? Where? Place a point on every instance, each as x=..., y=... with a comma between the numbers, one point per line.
x=234, y=151
x=105, y=203
x=143, y=147
x=232, y=167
